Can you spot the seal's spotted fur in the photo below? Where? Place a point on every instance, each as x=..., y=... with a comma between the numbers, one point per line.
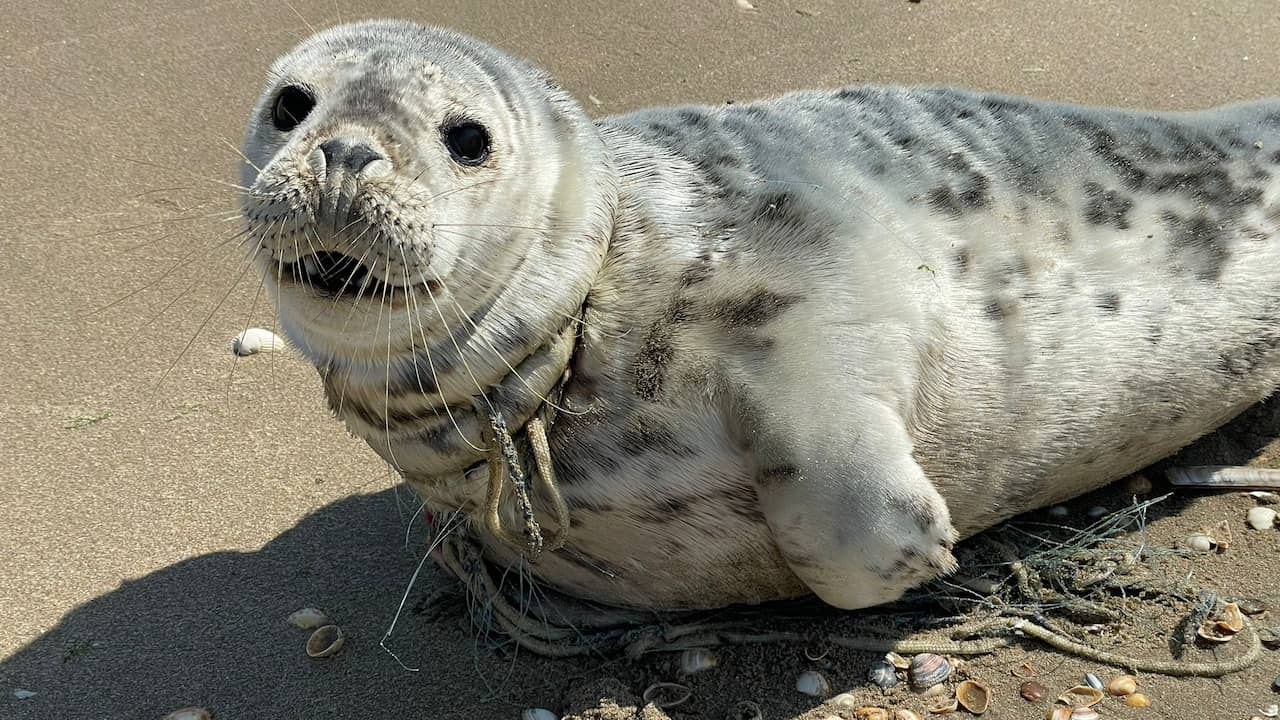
x=821, y=336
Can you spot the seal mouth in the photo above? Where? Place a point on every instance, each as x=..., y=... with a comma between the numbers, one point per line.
x=335, y=274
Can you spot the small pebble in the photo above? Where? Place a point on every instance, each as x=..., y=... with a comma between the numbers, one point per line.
x=1199, y=542
x=813, y=683
x=24, y=694
x=1093, y=681
x=1261, y=518
x=1032, y=691
x=1251, y=606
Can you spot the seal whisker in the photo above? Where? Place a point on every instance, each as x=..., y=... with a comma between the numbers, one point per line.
x=384, y=303
x=253, y=305
x=451, y=523
x=452, y=339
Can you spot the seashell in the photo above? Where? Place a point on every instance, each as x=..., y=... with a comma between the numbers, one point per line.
x=1232, y=618
x=663, y=695
x=845, y=701
x=1084, y=713
x=695, y=660
x=1199, y=542
x=1032, y=691
x=1059, y=512
x=1264, y=497
x=257, y=340
x=1121, y=685
x=936, y=691
x=869, y=712
x=1093, y=681
x=24, y=694
x=973, y=696
x=1275, y=684
x=1224, y=476
x=944, y=707
x=1137, y=700
x=814, y=656
x=538, y=714
x=897, y=660
x=883, y=674
x=1214, y=633
x=1271, y=710
x=308, y=618
x=1081, y=696
x=1251, y=606
x=928, y=670
x=745, y=710
x=188, y=713
x=1024, y=671
x=1058, y=713
x=325, y=641
x=906, y=715
x=1261, y=518
x=813, y=683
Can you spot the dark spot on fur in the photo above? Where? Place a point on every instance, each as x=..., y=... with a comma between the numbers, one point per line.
x=643, y=435
x=779, y=474
x=1104, y=145
x=1275, y=157
x=754, y=310
x=1199, y=244
x=652, y=362
x=1108, y=302
x=962, y=260
x=851, y=93
x=697, y=271
x=993, y=310
x=1106, y=207
x=1209, y=184
x=1155, y=334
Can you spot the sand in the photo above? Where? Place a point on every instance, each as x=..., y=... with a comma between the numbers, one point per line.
x=163, y=510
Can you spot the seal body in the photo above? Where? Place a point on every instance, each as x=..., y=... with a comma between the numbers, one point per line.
x=810, y=342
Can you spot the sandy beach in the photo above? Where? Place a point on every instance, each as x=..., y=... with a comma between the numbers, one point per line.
x=163, y=508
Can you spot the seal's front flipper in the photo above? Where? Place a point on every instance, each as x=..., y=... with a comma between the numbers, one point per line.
x=853, y=515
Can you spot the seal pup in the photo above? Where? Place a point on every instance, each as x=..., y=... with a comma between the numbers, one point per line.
x=780, y=347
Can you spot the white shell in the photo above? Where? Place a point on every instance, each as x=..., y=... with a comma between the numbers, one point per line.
x=327, y=640
x=1265, y=497
x=1261, y=518
x=695, y=660
x=844, y=700
x=1200, y=542
x=1271, y=710
x=538, y=714
x=665, y=695
x=308, y=618
x=24, y=694
x=257, y=340
x=813, y=683
x=188, y=713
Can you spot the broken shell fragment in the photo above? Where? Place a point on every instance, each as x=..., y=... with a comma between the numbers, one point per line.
x=906, y=715
x=1032, y=691
x=1261, y=518
x=883, y=674
x=928, y=670
x=973, y=696
x=813, y=683
x=663, y=695
x=745, y=710
x=1081, y=696
x=897, y=660
x=325, y=641
x=308, y=618
x=1093, y=681
x=1024, y=671
x=538, y=714
x=1200, y=542
x=1137, y=700
x=1084, y=713
x=1058, y=713
x=944, y=707
x=871, y=713
x=1214, y=633
x=1122, y=685
x=257, y=340
x=1232, y=618
x=844, y=700
x=188, y=713
x=1271, y=710
x=695, y=660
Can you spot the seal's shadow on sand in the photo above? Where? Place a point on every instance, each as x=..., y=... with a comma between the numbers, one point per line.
x=211, y=630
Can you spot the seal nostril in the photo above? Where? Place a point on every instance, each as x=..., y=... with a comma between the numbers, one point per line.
x=353, y=154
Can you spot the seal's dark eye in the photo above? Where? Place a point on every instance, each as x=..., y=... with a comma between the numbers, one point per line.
x=468, y=143
x=291, y=108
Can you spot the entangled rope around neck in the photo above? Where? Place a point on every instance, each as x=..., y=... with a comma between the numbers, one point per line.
x=504, y=461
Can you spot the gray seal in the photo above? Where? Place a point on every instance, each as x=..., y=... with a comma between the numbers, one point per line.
x=801, y=345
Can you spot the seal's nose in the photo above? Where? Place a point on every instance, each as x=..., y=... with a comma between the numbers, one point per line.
x=351, y=153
